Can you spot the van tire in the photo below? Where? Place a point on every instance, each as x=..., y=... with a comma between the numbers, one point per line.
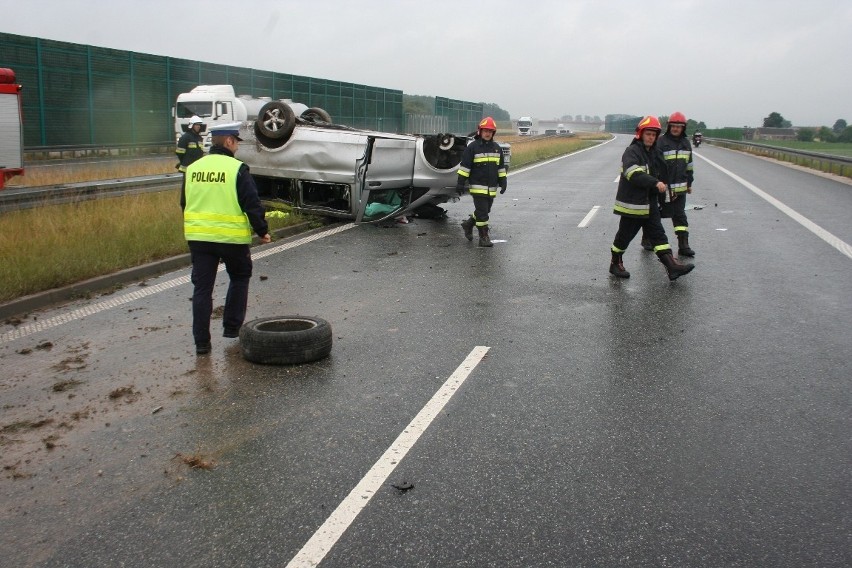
x=275, y=123
x=316, y=114
x=285, y=340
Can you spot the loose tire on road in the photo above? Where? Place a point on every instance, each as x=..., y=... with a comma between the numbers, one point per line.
x=285, y=340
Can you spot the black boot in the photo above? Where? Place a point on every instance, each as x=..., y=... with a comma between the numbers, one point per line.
x=646, y=244
x=673, y=267
x=468, y=228
x=616, y=266
x=683, y=245
x=484, y=240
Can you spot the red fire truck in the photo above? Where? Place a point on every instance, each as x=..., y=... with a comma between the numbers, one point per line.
x=11, y=131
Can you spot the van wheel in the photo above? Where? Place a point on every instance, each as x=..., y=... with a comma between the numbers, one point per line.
x=316, y=114
x=275, y=122
x=285, y=340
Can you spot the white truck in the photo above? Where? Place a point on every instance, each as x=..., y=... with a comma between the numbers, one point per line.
x=219, y=104
x=525, y=126
x=11, y=128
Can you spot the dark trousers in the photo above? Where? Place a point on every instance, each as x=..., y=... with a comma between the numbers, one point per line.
x=205, y=263
x=681, y=225
x=481, y=208
x=651, y=226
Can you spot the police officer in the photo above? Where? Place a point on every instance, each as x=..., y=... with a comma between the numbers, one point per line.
x=482, y=165
x=220, y=206
x=190, y=147
x=677, y=153
x=642, y=172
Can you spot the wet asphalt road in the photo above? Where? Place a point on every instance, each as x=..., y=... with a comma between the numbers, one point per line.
x=704, y=422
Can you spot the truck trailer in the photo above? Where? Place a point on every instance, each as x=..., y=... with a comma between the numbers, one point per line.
x=11, y=128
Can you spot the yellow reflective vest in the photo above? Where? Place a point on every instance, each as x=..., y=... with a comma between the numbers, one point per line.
x=212, y=212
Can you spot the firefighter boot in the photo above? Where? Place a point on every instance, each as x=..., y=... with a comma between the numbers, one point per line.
x=484, y=240
x=616, y=266
x=468, y=228
x=683, y=245
x=646, y=243
x=673, y=267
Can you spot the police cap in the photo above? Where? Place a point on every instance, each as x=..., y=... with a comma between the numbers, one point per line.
x=230, y=129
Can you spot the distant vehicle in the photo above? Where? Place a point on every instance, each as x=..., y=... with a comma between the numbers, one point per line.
x=219, y=104
x=560, y=129
x=11, y=128
x=337, y=171
x=697, y=139
x=525, y=125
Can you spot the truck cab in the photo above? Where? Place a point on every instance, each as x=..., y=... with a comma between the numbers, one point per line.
x=219, y=104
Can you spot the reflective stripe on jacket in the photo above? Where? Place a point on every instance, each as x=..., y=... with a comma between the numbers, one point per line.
x=640, y=171
x=212, y=212
x=677, y=154
x=482, y=166
x=190, y=148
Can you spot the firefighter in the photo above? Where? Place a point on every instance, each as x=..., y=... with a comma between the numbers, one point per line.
x=677, y=153
x=483, y=168
x=220, y=206
x=642, y=172
x=190, y=147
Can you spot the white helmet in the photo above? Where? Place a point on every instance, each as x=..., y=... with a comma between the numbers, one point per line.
x=195, y=120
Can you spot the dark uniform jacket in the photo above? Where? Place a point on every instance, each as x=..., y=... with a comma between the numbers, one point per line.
x=677, y=154
x=640, y=171
x=190, y=147
x=483, y=167
x=247, y=195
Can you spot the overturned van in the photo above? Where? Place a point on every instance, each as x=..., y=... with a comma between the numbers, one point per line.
x=326, y=169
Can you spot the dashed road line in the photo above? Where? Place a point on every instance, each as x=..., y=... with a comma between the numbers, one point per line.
x=588, y=218
x=333, y=528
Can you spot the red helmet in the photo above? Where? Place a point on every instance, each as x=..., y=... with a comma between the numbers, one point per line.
x=487, y=123
x=677, y=118
x=648, y=123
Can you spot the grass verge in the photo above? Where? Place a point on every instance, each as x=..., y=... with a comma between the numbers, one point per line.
x=53, y=246
x=531, y=150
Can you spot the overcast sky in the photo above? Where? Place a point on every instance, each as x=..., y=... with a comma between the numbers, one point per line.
x=727, y=63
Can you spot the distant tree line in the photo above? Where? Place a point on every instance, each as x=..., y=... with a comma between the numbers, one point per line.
x=840, y=132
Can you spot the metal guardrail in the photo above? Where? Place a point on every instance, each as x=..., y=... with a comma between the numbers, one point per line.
x=43, y=153
x=28, y=197
x=839, y=165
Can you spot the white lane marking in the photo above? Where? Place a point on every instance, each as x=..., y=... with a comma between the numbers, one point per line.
x=333, y=528
x=42, y=325
x=801, y=219
x=589, y=216
x=618, y=177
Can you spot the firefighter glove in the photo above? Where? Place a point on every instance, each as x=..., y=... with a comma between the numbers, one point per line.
x=503, y=190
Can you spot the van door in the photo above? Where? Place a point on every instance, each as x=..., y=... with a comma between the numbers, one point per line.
x=384, y=178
